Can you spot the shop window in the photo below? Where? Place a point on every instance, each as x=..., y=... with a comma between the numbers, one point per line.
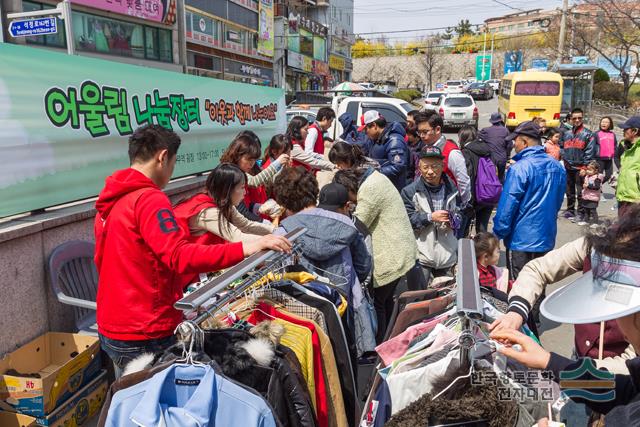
x=306, y=43
x=109, y=36
x=242, y=15
x=53, y=40
x=319, y=48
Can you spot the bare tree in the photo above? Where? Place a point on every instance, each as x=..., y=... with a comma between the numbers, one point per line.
x=431, y=60
x=616, y=26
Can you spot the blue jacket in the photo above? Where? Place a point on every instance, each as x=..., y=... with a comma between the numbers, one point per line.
x=332, y=243
x=577, y=147
x=188, y=396
x=391, y=152
x=350, y=133
x=532, y=195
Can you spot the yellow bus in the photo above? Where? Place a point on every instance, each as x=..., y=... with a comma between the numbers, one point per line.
x=524, y=95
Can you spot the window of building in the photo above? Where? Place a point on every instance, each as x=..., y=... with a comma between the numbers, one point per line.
x=319, y=48
x=306, y=42
x=94, y=33
x=242, y=15
x=53, y=40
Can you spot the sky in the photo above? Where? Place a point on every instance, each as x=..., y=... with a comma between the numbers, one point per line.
x=389, y=15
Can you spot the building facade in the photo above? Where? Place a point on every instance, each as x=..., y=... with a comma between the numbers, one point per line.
x=526, y=22
x=141, y=32
x=231, y=40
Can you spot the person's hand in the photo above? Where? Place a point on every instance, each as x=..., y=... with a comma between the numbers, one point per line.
x=510, y=320
x=530, y=354
x=268, y=242
x=440, y=216
x=284, y=159
x=509, y=163
x=271, y=208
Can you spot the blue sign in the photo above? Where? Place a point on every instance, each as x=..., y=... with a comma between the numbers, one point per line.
x=512, y=61
x=33, y=27
x=613, y=71
x=582, y=60
x=539, y=64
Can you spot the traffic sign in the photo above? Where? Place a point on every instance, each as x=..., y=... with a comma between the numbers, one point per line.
x=483, y=67
x=33, y=27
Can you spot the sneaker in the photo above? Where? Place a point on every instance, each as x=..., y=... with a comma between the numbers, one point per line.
x=581, y=223
x=569, y=215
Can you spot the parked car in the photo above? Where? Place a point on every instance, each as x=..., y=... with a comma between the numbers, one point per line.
x=495, y=84
x=454, y=86
x=458, y=110
x=308, y=113
x=431, y=99
x=480, y=91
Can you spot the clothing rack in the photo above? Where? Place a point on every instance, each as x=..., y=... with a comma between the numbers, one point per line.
x=468, y=299
x=196, y=300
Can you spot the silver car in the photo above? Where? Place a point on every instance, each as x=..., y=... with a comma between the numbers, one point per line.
x=458, y=110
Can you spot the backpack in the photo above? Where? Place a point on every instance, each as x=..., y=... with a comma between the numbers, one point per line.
x=488, y=187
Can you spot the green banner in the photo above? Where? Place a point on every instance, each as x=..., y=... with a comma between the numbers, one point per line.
x=483, y=67
x=65, y=120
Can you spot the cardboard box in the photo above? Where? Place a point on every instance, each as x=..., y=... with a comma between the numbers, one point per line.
x=9, y=419
x=47, y=371
x=81, y=407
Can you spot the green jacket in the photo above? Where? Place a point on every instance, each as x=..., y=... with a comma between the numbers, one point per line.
x=629, y=175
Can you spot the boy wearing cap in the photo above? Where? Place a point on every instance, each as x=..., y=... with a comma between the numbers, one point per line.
x=628, y=190
x=433, y=204
x=388, y=148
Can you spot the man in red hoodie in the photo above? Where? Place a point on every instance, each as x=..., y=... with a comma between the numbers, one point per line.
x=141, y=251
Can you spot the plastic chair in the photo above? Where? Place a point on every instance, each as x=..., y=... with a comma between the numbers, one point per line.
x=74, y=281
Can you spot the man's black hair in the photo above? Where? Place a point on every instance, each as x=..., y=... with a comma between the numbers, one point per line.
x=433, y=119
x=577, y=110
x=325, y=113
x=147, y=140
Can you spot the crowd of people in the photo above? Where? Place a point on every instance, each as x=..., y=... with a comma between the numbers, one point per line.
x=401, y=196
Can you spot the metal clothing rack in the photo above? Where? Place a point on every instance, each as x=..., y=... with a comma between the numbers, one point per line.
x=468, y=299
x=196, y=300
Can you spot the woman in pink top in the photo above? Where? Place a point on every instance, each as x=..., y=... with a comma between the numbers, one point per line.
x=606, y=142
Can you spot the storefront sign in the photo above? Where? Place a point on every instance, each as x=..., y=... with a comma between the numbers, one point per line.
x=307, y=64
x=201, y=29
x=321, y=68
x=266, y=28
x=64, y=128
x=336, y=62
x=297, y=21
x=244, y=69
x=295, y=60
x=153, y=10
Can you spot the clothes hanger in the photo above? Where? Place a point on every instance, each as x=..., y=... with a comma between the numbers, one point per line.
x=189, y=329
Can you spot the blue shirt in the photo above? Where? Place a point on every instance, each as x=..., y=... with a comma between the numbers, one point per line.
x=526, y=217
x=188, y=396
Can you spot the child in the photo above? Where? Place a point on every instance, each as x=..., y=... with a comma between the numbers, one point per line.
x=552, y=146
x=487, y=256
x=591, y=192
x=278, y=146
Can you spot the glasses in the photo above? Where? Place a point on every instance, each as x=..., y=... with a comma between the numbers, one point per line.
x=425, y=132
x=576, y=118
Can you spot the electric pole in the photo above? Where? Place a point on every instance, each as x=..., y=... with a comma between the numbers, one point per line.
x=563, y=29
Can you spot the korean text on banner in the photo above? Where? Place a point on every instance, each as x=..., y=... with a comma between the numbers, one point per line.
x=62, y=132
x=266, y=28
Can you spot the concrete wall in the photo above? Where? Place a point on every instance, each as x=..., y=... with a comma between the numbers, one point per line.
x=29, y=308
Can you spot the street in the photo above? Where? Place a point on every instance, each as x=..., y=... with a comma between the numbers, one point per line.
x=555, y=337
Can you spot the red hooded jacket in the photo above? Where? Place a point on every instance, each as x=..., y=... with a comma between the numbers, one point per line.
x=141, y=253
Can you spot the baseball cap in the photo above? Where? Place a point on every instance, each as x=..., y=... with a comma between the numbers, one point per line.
x=333, y=196
x=527, y=128
x=431, y=151
x=495, y=118
x=632, y=122
x=609, y=291
x=368, y=117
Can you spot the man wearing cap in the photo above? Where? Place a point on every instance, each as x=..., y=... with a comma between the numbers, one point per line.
x=531, y=198
x=577, y=149
x=388, y=148
x=433, y=205
x=628, y=189
x=608, y=291
x=496, y=137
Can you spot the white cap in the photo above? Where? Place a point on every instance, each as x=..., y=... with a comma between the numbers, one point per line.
x=368, y=117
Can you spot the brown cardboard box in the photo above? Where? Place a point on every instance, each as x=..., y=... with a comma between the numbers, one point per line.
x=81, y=407
x=9, y=419
x=47, y=371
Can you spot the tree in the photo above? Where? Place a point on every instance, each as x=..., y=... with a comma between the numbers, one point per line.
x=431, y=60
x=617, y=35
x=364, y=48
x=464, y=28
